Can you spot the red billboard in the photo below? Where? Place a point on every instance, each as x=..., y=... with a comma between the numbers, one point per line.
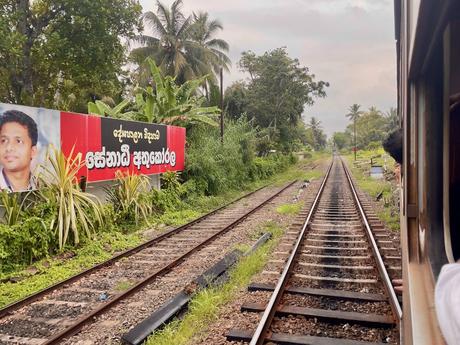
x=107, y=145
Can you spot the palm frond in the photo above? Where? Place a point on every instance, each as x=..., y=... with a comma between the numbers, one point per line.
x=155, y=22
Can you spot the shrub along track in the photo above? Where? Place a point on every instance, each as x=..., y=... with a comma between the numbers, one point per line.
x=63, y=309
x=334, y=287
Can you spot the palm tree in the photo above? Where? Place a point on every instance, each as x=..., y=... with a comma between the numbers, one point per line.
x=213, y=49
x=203, y=32
x=374, y=111
x=317, y=132
x=171, y=47
x=392, y=119
x=353, y=115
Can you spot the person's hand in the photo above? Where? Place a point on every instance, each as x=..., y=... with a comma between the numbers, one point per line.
x=454, y=101
x=398, y=286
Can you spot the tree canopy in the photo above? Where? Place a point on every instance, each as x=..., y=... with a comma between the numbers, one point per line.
x=63, y=53
x=276, y=94
x=372, y=126
x=182, y=46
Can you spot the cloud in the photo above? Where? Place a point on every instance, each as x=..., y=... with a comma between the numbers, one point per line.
x=349, y=43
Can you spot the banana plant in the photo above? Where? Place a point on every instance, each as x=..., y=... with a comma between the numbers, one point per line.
x=169, y=103
x=103, y=109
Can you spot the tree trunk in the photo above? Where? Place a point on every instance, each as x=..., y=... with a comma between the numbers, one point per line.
x=21, y=80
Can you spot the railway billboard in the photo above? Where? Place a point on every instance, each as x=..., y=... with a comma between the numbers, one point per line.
x=106, y=144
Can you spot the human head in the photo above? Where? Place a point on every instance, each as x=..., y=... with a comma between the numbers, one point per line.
x=393, y=145
x=18, y=140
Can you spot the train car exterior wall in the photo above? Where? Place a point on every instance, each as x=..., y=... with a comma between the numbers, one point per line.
x=425, y=34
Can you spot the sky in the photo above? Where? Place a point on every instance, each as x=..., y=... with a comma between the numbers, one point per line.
x=348, y=43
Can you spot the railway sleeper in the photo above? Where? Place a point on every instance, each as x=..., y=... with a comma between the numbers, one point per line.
x=328, y=315
x=294, y=339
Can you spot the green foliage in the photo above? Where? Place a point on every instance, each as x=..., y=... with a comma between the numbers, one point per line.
x=76, y=210
x=318, y=138
x=61, y=54
x=204, y=307
x=276, y=95
x=24, y=242
x=103, y=109
x=29, y=240
x=341, y=140
x=129, y=197
x=289, y=208
x=392, y=119
x=183, y=47
x=53, y=270
x=389, y=200
x=235, y=100
x=169, y=198
x=371, y=127
x=167, y=102
x=123, y=285
x=13, y=206
x=213, y=167
x=264, y=167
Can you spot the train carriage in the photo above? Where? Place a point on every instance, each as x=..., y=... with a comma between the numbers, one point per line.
x=428, y=53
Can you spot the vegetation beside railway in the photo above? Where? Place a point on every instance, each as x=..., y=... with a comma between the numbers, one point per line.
x=205, y=307
x=22, y=279
x=384, y=191
x=61, y=230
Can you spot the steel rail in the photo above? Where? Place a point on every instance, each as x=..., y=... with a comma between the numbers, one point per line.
x=89, y=318
x=32, y=298
x=397, y=311
x=261, y=332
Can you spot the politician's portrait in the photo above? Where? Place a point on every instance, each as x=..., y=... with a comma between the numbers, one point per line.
x=25, y=134
x=18, y=147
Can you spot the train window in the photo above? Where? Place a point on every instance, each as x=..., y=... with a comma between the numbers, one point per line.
x=452, y=119
x=430, y=164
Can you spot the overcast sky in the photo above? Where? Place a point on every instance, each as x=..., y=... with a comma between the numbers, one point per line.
x=349, y=43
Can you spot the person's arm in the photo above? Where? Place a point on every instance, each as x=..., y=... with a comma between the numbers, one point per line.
x=447, y=302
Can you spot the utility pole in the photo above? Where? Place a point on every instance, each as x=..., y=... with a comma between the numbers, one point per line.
x=354, y=135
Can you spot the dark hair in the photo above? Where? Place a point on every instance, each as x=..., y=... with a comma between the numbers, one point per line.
x=24, y=120
x=393, y=145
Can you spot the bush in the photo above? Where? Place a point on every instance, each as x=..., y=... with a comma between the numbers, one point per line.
x=77, y=211
x=24, y=242
x=213, y=167
x=129, y=197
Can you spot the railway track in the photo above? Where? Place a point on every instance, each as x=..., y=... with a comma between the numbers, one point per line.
x=328, y=284
x=60, y=311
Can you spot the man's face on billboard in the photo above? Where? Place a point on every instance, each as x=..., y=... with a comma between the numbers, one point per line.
x=16, y=150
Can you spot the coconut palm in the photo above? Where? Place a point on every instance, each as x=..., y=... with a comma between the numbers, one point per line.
x=171, y=47
x=317, y=132
x=353, y=115
x=213, y=50
x=392, y=119
x=203, y=32
x=374, y=111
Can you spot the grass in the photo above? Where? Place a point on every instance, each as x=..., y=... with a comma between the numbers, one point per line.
x=289, y=208
x=123, y=285
x=301, y=170
x=52, y=270
x=205, y=306
x=389, y=214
